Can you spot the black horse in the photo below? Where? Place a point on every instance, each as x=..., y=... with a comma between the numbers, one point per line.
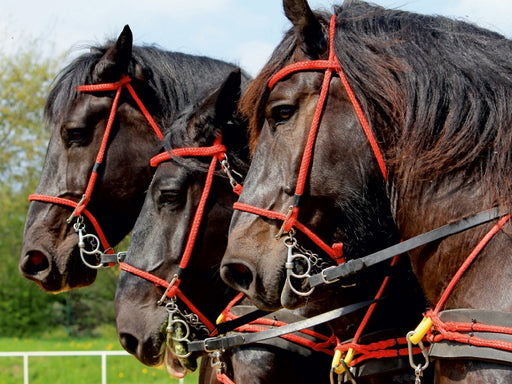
x=411, y=131
x=181, y=236
x=78, y=110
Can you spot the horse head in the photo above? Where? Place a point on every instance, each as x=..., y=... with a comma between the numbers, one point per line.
x=345, y=204
x=50, y=253
x=410, y=134
x=104, y=113
x=181, y=231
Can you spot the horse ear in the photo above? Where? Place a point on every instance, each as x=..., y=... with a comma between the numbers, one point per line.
x=115, y=61
x=228, y=96
x=308, y=29
x=219, y=109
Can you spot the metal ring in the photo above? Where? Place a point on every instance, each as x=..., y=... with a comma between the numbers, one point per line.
x=94, y=238
x=305, y=274
x=297, y=292
x=178, y=339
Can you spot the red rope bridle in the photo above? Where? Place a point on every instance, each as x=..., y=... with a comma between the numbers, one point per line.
x=80, y=206
x=218, y=153
x=290, y=219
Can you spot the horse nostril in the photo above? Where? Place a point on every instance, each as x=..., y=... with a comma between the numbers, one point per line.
x=35, y=262
x=129, y=343
x=237, y=275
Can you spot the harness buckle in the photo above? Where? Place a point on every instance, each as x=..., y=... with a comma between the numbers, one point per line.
x=323, y=275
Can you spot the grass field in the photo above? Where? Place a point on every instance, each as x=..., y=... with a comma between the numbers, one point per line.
x=77, y=370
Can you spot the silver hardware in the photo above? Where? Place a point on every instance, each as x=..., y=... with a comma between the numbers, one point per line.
x=73, y=214
x=226, y=167
x=291, y=244
x=324, y=279
x=418, y=368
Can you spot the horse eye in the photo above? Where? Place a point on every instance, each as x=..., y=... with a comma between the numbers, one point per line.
x=74, y=136
x=282, y=114
x=168, y=197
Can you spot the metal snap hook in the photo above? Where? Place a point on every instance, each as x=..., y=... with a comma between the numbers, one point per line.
x=418, y=368
x=85, y=240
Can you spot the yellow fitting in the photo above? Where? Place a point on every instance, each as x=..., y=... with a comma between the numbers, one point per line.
x=220, y=319
x=421, y=330
x=340, y=368
x=336, y=358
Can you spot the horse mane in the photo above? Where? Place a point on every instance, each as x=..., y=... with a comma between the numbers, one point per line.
x=172, y=78
x=436, y=91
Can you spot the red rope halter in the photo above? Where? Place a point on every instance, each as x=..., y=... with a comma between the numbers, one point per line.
x=290, y=219
x=217, y=151
x=80, y=207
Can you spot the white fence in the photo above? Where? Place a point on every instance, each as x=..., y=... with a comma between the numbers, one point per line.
x=103, y=355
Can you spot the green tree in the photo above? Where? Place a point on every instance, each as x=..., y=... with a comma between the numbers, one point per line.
x=25, y=79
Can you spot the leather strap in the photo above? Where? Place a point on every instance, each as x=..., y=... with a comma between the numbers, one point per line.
x=332, y=274
x=283, y=315
x=236, y=340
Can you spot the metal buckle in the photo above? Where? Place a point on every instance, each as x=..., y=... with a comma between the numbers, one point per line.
x=324, y=279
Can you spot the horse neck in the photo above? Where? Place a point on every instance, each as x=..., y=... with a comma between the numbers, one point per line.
x=436, y=263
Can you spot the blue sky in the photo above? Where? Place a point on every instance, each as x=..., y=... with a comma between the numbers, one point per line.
x=243, y=32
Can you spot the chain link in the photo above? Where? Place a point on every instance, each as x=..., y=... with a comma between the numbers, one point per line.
x=307, y=261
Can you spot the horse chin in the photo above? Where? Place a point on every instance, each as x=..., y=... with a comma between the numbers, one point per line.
x=289, y=299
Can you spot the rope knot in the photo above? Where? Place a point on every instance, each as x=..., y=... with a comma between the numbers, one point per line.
x=338, y=251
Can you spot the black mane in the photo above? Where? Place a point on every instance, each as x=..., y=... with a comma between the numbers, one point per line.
x=172, y=77
x=436, y=91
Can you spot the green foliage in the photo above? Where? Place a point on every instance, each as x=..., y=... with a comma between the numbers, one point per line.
x=25, y=310
x=25, y=78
